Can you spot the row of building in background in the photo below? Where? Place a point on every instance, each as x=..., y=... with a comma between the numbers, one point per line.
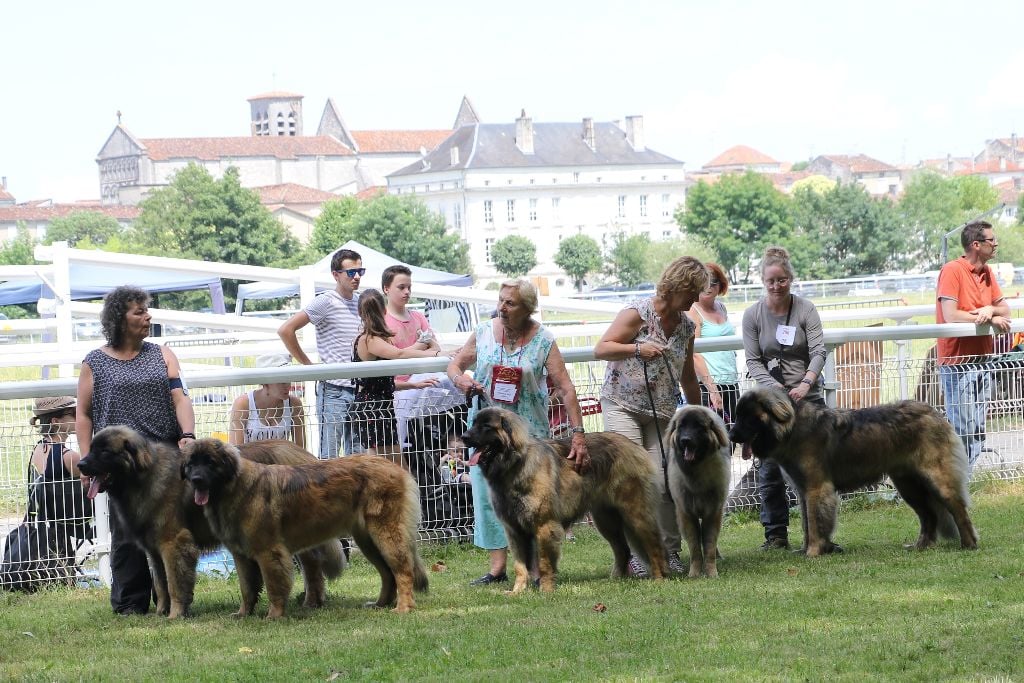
x=545, y=181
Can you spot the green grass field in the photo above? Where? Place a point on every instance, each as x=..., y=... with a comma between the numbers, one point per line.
x=876, y=612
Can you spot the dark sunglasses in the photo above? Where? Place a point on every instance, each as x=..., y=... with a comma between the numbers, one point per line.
x=352, y=272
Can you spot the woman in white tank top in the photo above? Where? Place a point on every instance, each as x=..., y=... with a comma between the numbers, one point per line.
x=269, y=412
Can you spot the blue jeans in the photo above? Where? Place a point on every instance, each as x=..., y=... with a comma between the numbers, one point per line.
x=966, y=390
x=332, y=406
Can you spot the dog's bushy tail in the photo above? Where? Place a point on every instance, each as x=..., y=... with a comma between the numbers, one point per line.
x=333, y=558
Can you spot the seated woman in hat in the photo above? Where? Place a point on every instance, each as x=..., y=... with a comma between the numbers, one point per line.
x=269, y=412
x=60, y=497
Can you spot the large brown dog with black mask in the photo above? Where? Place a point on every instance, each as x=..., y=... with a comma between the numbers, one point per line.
x=156, y=508
x=537, y=494
x=264, y=513
x=698, y=478
x=826, y=452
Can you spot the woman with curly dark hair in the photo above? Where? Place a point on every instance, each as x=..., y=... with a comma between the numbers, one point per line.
x=373, y=410
x=135, y=383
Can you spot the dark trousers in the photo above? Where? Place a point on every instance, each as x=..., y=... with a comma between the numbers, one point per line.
x=131, y=586
x=771, y=485
x=730, y=393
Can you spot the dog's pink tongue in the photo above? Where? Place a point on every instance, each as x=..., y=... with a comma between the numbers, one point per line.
x=202, y=497
x=688, y=453
x=748, y=452
x=94, y=488
x=474, y=458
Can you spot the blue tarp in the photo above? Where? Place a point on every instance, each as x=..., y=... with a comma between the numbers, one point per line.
x=374, y=261
x=91, y=281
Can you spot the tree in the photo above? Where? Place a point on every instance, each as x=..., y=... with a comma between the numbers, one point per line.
x=514, y=255
x=82, y=229
x=21, y=250
x=664, y=252
x=400, y=226
x=930, y=207
x=738, y=217
x=627, y=258
x=328, y=229
x=976, y=195
x=843, y=232
x=577, y=256
x=202, y=218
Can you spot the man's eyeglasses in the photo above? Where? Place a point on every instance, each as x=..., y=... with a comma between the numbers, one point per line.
x=352, y=272
x=990, y=239
x=777, y=282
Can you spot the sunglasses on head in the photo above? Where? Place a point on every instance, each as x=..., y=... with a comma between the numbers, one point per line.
x=352, y=272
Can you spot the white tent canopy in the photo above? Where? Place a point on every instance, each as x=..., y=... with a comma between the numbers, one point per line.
x=375, y=263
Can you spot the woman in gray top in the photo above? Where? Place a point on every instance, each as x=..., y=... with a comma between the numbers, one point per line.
x=785, y=348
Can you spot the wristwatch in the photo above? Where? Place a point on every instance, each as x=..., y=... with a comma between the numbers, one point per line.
x=578, y=430
x=806, y=381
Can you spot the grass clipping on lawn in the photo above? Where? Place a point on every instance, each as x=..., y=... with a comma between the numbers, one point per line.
x=875, y=612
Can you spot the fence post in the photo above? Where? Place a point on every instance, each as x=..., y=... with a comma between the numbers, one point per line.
x=831, y=383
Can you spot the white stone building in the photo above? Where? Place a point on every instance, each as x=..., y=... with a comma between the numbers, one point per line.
x=546, y=181
x=335, y=160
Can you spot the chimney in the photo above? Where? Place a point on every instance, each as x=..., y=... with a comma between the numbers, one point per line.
x=524, y=133
x=455, y=155
x=588, y=133
x=3, y=182
x=1013, y=147
x=635, y=132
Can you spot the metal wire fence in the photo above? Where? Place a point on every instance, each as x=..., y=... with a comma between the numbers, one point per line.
x=64, y=547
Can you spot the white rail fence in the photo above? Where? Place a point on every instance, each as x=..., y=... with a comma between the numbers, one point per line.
x=866, y=366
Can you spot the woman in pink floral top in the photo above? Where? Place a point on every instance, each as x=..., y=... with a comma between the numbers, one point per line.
x=646, y=338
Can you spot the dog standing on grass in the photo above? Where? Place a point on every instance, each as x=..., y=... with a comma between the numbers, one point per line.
x=264, y=513
x=698, y=478
x=537, y=494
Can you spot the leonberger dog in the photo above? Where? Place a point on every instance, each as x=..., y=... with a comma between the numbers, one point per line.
x=156, y=509
x=698, y=478
x=264, y=513
x=537, y=494
x=826, y=452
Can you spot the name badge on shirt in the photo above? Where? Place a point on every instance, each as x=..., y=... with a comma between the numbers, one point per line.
x=505, y=383
x=785, y=334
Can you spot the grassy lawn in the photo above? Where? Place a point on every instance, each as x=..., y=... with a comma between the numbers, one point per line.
x=877, y=612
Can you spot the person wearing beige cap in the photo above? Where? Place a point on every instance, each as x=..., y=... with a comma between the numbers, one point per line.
x=63, y=502
x=269, y=412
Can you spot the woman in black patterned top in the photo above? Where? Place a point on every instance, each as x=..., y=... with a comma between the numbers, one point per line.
x=134, y=383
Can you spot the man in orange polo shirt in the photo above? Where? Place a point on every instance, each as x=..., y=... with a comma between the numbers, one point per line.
x=968, y=293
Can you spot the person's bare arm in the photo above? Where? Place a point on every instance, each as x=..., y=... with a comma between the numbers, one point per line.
x=383, y=349
x=463, y=360
x=183, y=410
x=559, y=375
x=691, y=388
x=83, y=413
x=298, y=421
x=617, y=341
x=288, y=332
x=236, y=420
x=701, y=368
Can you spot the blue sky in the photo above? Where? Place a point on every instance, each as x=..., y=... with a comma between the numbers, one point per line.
x=896, y=80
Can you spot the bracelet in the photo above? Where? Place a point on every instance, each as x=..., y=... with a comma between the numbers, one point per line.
x=187, y=435
x=637, y=352
x=437, y=353
x=806, y=381
x=578, y=430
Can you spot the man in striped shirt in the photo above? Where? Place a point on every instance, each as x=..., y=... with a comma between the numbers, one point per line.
x=335, y=317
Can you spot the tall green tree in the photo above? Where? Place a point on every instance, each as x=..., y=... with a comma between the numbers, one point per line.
x=738, y=217
x=578, y=256
x=514, y=255
x=21, y=250
x=628, y=257
x=82, y=228
x=843, y=232
x=664, y=252
x=329, y=230
x=932, y=206
x=400, y=226
x=200, y=217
